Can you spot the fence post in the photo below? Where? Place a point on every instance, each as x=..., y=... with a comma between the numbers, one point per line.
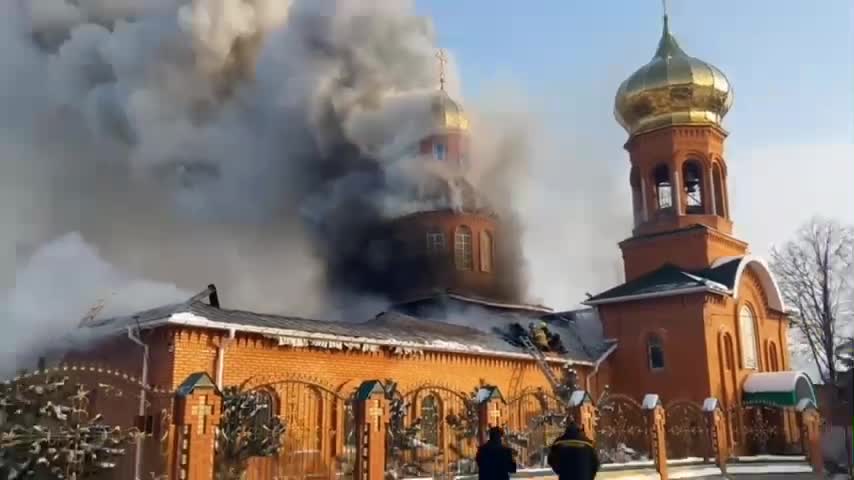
x=583, y=412
x=655, y=430
x=718, y=443
x=489, y=400
x=371, y=413
x=810, y=423
x=198, y=406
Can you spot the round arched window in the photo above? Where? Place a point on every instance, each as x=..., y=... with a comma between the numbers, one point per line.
x=747, y=332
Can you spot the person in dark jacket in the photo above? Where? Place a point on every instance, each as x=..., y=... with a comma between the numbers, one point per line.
x=494, y=459
x=572, y=456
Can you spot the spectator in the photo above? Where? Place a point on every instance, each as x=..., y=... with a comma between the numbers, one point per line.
x=494, y=459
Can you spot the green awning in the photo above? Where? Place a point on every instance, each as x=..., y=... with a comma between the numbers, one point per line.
x=780, y=389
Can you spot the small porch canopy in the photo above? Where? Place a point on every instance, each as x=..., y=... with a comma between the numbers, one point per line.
x=782, y=389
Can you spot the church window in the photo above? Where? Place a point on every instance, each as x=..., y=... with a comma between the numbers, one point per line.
x=718, y=185
x=663, y=188
x=747, y=331
x=430, y=420
x=266, y=409
x=655, y=351
x=637, y=201
x=692, y=175
x=463, y=248
x=440, y=150
x=435, y=241
x=486, y=251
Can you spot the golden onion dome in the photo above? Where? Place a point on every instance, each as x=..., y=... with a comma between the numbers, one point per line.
x=447, y=114
x=672, y=89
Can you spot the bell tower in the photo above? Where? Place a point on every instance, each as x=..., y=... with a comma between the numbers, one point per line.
x=672, y=109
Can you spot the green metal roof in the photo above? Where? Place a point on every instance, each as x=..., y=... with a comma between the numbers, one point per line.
x=780, y=389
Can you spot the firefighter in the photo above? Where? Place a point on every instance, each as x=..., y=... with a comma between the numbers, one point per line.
x=572, y=456
x=540, y=336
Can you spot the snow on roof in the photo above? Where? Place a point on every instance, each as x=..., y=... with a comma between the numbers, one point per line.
x=710, y=404
x=650, y=401
x=404, y=334
x=773, y=381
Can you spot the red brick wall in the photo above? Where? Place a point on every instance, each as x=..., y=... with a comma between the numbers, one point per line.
x=412, y=230
x=693, y=249
x=678, y=322
x=255, y=359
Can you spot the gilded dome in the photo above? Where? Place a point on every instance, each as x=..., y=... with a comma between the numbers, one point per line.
x=447, y=114
x=672, y=89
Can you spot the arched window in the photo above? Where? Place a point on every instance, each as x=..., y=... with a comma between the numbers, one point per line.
x=692, y=176
x=463, y=248
x=440, y=151
x=266, y=408
x=717, y=180
x=747, y=332
x=435, y=241
x=730, y=352
x=430, y=420
x=655, y=352
x=485, y=251
x=663, y=187
x=637, y=200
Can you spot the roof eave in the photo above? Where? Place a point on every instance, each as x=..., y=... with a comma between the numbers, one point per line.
x=196, y=321
x=647, y=296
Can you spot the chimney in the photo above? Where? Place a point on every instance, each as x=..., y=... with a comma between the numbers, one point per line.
x=213, y=298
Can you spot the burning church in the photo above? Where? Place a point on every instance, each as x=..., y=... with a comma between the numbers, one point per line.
x=697, y=316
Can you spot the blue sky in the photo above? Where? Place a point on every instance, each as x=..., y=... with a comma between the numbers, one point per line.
x=791, y=145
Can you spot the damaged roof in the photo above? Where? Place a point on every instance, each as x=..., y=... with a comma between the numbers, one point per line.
x=672, y=280
x=478, y=330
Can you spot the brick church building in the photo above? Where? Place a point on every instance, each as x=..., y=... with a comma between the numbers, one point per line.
x=698, y=316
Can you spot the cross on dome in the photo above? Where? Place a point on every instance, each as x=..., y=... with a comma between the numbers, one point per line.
x=443, y=60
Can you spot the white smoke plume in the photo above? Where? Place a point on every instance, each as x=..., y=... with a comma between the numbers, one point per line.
x=157, y=146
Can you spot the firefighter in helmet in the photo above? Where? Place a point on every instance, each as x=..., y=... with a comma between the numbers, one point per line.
x=540, y=336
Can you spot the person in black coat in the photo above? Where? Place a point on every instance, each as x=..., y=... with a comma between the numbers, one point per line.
x=494, y=459
x=572, y=456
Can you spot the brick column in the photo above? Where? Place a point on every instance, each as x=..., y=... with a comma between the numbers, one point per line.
x=371, y=412
x=717, y=437
x=809, y=421
x=197, y=413
x=655, y=429
x=489, y=402
x=583, y=413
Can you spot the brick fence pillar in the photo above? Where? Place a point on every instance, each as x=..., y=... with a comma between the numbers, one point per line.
x=657, y=436
x=717, y=436
x=809, y=421
x=198, y=406
x=583, y=413
x=489, y=405
x=371, y=412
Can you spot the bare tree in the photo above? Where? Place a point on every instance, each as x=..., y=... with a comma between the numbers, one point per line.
x=815, y=274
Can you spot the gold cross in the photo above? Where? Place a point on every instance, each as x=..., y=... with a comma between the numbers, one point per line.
x=376, y=412
x=443, y=60
x=201, y=412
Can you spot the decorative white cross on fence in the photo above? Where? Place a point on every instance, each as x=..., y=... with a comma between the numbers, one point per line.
x=494, y=414
x=201, y=411
x=376, y=412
